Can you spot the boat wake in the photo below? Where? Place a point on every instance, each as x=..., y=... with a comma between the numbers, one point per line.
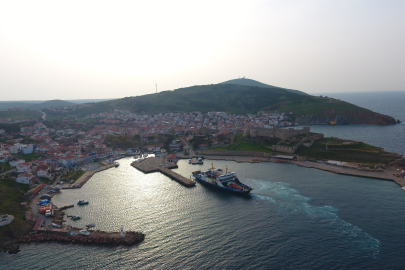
x=290, y=202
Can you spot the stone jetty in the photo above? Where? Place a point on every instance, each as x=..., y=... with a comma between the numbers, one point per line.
x=102, y=238
x=87, y=175
x=160, y=164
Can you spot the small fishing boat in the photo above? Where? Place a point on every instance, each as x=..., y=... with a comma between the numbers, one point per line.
x=44, y=202
x=90, y=225
x=75, y=218
x=84, y=232
x=82, y=202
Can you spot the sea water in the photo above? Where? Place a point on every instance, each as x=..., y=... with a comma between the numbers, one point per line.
x=295, y=218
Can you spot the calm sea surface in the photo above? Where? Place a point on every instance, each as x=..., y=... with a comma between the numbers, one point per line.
x=295, y=218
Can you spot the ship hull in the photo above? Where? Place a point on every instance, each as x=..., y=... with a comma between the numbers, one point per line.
x=219, y=187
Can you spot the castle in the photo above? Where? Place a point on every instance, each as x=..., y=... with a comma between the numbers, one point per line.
x=280, y=133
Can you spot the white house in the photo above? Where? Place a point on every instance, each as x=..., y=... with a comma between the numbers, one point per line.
x=27, y=149
x=27, y=178
x=69, y=160
x=13, y=149
x=24, y=167
x=5, y=156
x=43, y=173
x=14, y=163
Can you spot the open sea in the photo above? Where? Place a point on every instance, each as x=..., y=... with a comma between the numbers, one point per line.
x=295, y=218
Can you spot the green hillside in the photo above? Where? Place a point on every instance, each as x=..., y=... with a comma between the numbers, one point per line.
x=240, y=99
x=250, y=82
x=237, y=99
x=50, y=104
x=21, y=114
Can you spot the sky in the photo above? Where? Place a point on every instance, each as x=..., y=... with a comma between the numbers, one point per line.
x=114, y=49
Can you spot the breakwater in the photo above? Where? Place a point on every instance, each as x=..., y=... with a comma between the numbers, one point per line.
x=87, y=175
x=129, y=239
x=160, y=164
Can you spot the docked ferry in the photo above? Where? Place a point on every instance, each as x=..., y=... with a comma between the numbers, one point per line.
x=222, y=180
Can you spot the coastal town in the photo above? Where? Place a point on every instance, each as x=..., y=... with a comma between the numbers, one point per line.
x=77, y=143
x=50, y=155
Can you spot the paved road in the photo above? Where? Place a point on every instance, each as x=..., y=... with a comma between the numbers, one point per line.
x=185, y=143
x=9, y=171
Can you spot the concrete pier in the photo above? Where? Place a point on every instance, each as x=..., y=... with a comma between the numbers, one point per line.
x=177, y=177
x=160, y=164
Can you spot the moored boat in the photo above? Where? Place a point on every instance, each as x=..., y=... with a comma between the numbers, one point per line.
x=84, y=232
x=82, y=202
x=223, y=180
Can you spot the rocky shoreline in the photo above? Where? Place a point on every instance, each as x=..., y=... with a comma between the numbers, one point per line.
x=347, y=118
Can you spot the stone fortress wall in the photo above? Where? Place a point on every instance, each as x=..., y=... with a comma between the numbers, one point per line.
x=281, y=133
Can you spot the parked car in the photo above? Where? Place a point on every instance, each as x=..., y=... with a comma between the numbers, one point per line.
x=48, y=213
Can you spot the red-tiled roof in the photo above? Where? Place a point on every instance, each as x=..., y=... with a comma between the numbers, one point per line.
x=38, y=224
x=38, y=189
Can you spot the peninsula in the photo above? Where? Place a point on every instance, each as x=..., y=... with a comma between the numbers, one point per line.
x=239, y=97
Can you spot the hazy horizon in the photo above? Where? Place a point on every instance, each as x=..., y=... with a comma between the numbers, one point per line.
x=104, y=50
x=105, y=99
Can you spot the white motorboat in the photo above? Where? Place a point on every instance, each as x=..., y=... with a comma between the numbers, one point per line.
x=84, y=232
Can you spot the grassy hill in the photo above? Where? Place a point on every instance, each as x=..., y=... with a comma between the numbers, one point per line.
x=241, y=99
x=237, y=99
x=11, y=197
x=250, y=82
x=21, y=114
x=12, y=104
x=50, y=104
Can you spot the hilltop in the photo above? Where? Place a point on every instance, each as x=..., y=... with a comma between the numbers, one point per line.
x=250, y=82
x=238, y=99
x=50, y=104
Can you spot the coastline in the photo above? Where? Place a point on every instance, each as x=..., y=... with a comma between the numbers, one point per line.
x=386, y=175
x=87, y=175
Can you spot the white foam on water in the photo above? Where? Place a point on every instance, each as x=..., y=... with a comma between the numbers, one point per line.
x=291, y=202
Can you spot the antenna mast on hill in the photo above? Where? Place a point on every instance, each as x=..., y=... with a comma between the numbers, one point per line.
x=156, y=87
